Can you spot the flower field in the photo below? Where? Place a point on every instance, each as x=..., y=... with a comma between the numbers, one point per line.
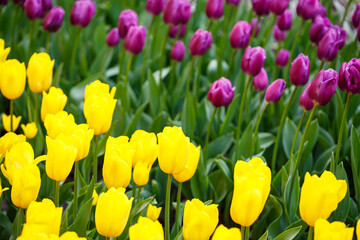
x=179, y=119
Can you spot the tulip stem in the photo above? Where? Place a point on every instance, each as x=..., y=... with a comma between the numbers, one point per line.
x=231, y=62
x=11, y=115
x=321, y=65
x=189, y=76
x=121, y=57
x=345, y=13
x=134, y=190
x=208, y=133
x=76, y=172
x=311, y=233
x=107, y=238
x=56, y=193
x=36, y=107
x=238, y=129
x=73, y=55
x=294, y=141
x=177, y=213
x=167, y=208
x=338, y=147
x=125, y=94
x=294, y=44
x=47, y=42
x=18, y=229
x=30, y=39
x=257, y=129
x=269, y=30
x=138, y=195
x=210, y=24
x=163, y=52
x=277, y=141
x=246, y=234
x=103, y=68
x=95, y=161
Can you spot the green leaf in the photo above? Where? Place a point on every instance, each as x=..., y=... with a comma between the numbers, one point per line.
x=132, y=125
x=6, y=227
x=225, y=169
x=188, y=118
x=288, y=136
x=244, y=143
x=289, y=234
x=264, y=236
x=220, y=145
x=355, y=160
x=220, y=185
x=140, y=207
x=102, y=142
x=82, y=219
x=154, y=94
x=159, y=122
x=230, y=113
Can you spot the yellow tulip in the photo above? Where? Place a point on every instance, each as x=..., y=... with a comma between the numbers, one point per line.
x=358, y=229
x=95, y=197
x=35, y=231
x=99, y=106
x=320, y=196
x=117, y=163
x=60, y=157
x=146, y=148
x=30, y=130
x=251, y=189
x=145, y=228
x=224, y=233
x=191, y=164
x=153, y=212
x=61, y=122
x=40, y=72
x=4, y=52
x=45, y=213
x=173, y=150
x=82, y=138
x=52, y=102
x=12, y=78
x=7, y=122
x=199, y=221
x=112, y=212
x=332, y=231
x=9, y=140
x=71, y=236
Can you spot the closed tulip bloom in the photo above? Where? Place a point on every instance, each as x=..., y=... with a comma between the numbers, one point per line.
x=233, y=2
x=278, y=6
x=184, y=11
x=71, y=236
x=260, y=81
x=113, y=37
x=240, y=34
x=153, y=212
x=275, y=91
x=12, y=78
x=127, y=19
x=61, y=154
x=199, y=220
x=307, y=9
x=319, y=28
x=82, y=12
x=253, y=60
x=112, y=212
x=82, y=136
x=145, y=228
x=254, y=22
x=305, y=102
x=40, y=72
x=356, y=16
x=260, y=7
x=191, y=165
x=320, y=196
x=174, y=31
x=4, y=52
x=214, y=9
x=174, y=149
x=251, y=189
x=171, y=12
x=35, y=231
x=284, y=21
x=6, y=119
x=282, y=58
x=300, y=70
x=178, y=51
x=224, y=233
x=324, y=230
x=30, y=130
x=329, y=45
x=349, y=76
x=45, y=213
x=155, y=7
x=342, y=35
x=221, y=92
x=53, y=19
x=58, y=123
x=278, y=34
x=135, y=39
x=9, y=140
x=324, y=86
x=34, y=9
x=52, y=102
x=200, y=43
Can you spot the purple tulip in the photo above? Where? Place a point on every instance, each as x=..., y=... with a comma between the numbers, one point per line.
x=307, y=9
x=324, y=86
x=135, y=39
x=349, y=76
x=278, y=6
x=342, y=35
x=319, y=28
x=260, y=7
x=184, y=11
x=127, y=19
x=47, y=5
x=305, y=102
x=278, y=34
x=82, y=12
x=34, y=9
x=178, y=51
x=260, y=81
x=300, y=70
x=254, y=23
x=3, y=2
x=282, y=58
x=221, y=92
x=322, y=11
x=240, y=35
x=284, y=20
x=214, y=9
x=329, y=45
x=253, y=60
x=356, y=16
x=113, y=37
x=177, y=11
x=53, y=20
x=174, y=30
x=200, y=42
x=275, y=90
x=155, y=7
x=233, y=2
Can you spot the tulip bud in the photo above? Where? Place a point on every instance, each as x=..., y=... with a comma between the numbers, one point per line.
x=82, y=136
x=184, y=11
x=214, y=9
x=145, y=228
x=307, y=9
x=177, y=11
x=278, y=34
x=300, y=70
x=342, y=35
x=200, y=42
x=251, y=189
x=34, y=9
x=82, y=12
x=113, y=37
x=305, y=102
x=12, y=78
x=40, y=72
x=191, y=165
x=319, y=28
x=58, y=123
x=324, y=86
x=95, y=197
x=320, y=196
x=30, y=130
x=253, y=60
x=255, y=23
x=349, y=76
x=4, y=52
x=233, y=2
x=52, y=102
x=275, y=90
x=155, y=7
x=222, y=233
x=356, y=16
x=175, y=32
x=112, y=212
x=178, y=51
x=127, y=19
x=7, y=122
x=53, y=20
x=260, y=81
x=322, y=11
x=278, y=6
x=135, y=39
x=260, y=7
x=284, y=21
x=282, y=58
x=9, y=140
x=199, y=220
x=335, y=230
x=221, y=92
x=153, y=212
x=240, y=35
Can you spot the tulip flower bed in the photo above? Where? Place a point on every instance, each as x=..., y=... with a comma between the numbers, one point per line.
x=179, y=119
